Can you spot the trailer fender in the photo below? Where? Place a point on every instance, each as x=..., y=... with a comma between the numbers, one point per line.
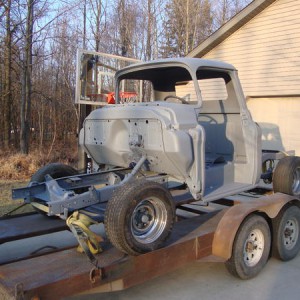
x=235, y=215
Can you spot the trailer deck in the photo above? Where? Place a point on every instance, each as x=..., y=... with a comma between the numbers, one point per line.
x=199, y=233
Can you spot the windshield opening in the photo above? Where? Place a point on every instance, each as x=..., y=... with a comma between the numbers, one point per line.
x=171, y=84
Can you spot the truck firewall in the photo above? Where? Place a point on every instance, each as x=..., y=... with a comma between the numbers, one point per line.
x=120, y=135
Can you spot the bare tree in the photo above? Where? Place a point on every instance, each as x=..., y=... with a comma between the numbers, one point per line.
x=187, y=23
x=97, y=21
x=36, y=11
x=125, y=34
x=7, y=77
x=224, y=10
x=151, y=12
x=26, y=81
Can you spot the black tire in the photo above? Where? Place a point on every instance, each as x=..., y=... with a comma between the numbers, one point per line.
x=139, y=217
x=286, y=233
x=286, y=177
x=55, y=170
x=251, y=248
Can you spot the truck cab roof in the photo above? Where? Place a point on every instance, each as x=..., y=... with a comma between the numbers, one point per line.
x=190, y=63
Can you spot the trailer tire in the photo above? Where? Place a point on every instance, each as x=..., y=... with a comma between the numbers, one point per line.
x=251, y=248
x=286, y=233
x=286, y=177
x=55, y=170
x=139, y=217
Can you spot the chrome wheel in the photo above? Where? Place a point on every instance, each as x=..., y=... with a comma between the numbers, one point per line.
x=254, y=247
x=139, y=216
x=149, y=220
x=291, y=234
x=251, y=248
x=286, y=233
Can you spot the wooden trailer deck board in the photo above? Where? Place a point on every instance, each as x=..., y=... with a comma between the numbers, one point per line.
x=12, y=229
x=67, y=272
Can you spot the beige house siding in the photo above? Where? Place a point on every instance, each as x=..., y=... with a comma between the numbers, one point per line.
x=187, y=91
x=279, y=121
x=266, y=51
x=211, y=89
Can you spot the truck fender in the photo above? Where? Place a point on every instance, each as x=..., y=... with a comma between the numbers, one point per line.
x=234, y=216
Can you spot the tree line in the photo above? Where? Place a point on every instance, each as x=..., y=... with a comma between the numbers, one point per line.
x=38, y=44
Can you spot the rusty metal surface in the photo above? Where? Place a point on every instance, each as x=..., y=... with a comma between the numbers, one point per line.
x=52, y=276
x=16, y=228
x=66, y=273
x=61, y=274
x=230, y=223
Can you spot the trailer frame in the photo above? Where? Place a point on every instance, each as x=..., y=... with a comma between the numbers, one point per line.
x=208, y=234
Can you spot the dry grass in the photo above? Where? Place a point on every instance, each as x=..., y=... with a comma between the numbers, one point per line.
x=16, y=170
x=16, y=166
x=19, y=166
x=6, y=203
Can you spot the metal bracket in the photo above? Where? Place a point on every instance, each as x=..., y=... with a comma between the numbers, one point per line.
x=73, y=202
x=55, y=192
x=129, y=177
x=19, y=291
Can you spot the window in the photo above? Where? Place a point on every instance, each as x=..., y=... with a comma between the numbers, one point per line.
x=186, y=90
x=134, y=90
x=159, y=84
x=213, y=89
x=217, y=91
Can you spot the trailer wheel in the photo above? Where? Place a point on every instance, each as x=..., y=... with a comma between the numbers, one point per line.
x=139, y=217
x=286, y=228
x=251, y=248
x=286, y=178
x=55, y=170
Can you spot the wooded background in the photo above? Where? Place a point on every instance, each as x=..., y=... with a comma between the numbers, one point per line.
x=38, y=44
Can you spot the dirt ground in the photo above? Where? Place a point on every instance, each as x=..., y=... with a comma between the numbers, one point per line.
x=6, y=202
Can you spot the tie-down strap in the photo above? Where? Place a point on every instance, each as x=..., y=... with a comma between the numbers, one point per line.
x=89, y=242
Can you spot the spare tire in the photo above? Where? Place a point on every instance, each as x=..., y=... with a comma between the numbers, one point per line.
x=286, y=177
x=139, y=217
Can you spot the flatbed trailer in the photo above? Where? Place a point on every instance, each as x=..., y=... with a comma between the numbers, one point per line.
x=200, y=233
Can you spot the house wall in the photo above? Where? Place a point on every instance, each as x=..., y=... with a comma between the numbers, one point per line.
x=266, y=53
x=279, y=121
